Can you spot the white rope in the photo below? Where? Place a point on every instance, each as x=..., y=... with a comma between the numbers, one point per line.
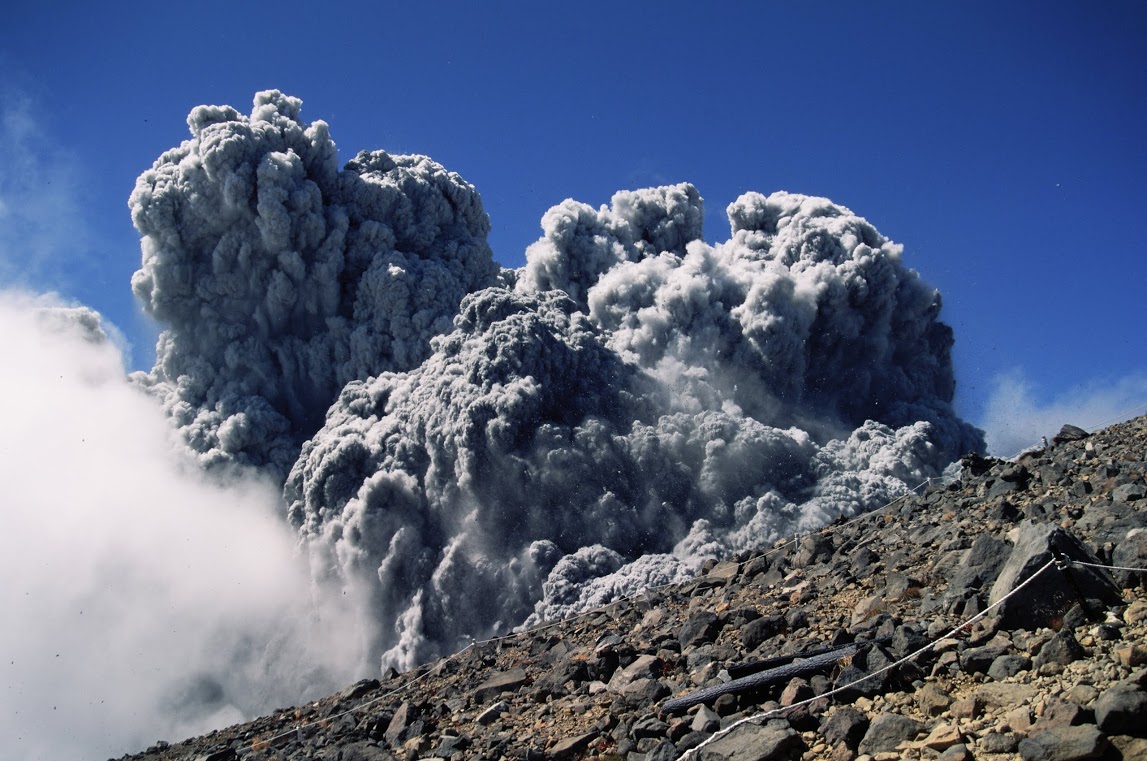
x=911, y=656
x=1108, y=567
x=1122, y=417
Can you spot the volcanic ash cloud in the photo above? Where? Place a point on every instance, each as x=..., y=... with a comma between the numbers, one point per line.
x=640, y=402
x=280, y=278
x=503, y=447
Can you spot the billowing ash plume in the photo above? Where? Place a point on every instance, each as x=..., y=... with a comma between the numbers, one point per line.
x=631, y=402
x=280, y=278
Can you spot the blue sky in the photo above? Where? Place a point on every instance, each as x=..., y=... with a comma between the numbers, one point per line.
x=1003, y=146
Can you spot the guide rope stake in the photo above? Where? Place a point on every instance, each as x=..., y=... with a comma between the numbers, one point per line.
x=1064, y=563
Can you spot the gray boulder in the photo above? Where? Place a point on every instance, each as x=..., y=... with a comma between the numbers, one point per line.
x=1131, y=552
x=1122, y=710
x=1064, y=744
x=750, y=742
x=1049, y=596
x=1070, y=432
x=847, y=726
x=889, y=730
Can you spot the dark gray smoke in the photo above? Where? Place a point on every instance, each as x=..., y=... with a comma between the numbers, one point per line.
x=281, y=278
x=507, y=448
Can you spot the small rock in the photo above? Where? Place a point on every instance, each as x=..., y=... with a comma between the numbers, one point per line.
x=1069, y=433
x=1063, y=649
x=644, y=667
x=847, y=725
x=967, y=708
x=1122, y=710
x=760, y=630
x=1004, y=695
x=646, y=690
x=796, y=691
x=900, y=586
x=977, y=660
x=701, y=628
x=932, y=700
x=999, y=742
x=1008, y=665
x=492, y=714
x=1063, y=713
x=361, y=751
x=398, y=723
x=867, y=608
x=958, y=752
x=416, y=746
x=506, y=681
x=1019, y=719
x=223, y=754
x=725, y=570
x=1129, y=747
x=649, y=726
x=813, y=548
x=1136, y=612
x=689, y=742
x=1082, y=694
x=1064, y=744
x=358, y=689
x=706, y=720
x=1131, y=553
x=449, y=745
x=1132, y=655
x=887, y=731
x=943, y=736
x=1129, y=492
x=725, y=705
x=750, y=742
x=842, y=752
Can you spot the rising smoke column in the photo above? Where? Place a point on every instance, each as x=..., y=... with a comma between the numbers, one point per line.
x=641, y=401
x=280, y=278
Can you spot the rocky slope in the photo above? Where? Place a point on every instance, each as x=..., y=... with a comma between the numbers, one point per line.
x=1053, y=671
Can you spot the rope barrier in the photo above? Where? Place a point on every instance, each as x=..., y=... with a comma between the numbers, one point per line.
x=1122, y=417
x=911, y=656
x=1108, y=567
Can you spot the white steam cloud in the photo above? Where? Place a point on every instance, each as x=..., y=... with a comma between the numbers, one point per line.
x=1017, y=418
x=142, y=599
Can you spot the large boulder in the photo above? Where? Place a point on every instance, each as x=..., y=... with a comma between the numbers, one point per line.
x=1055, y=590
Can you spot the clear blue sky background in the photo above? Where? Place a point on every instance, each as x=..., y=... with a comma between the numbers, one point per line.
x=1001, y=143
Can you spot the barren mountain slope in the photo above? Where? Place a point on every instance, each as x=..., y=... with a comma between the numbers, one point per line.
x=1054, y=672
